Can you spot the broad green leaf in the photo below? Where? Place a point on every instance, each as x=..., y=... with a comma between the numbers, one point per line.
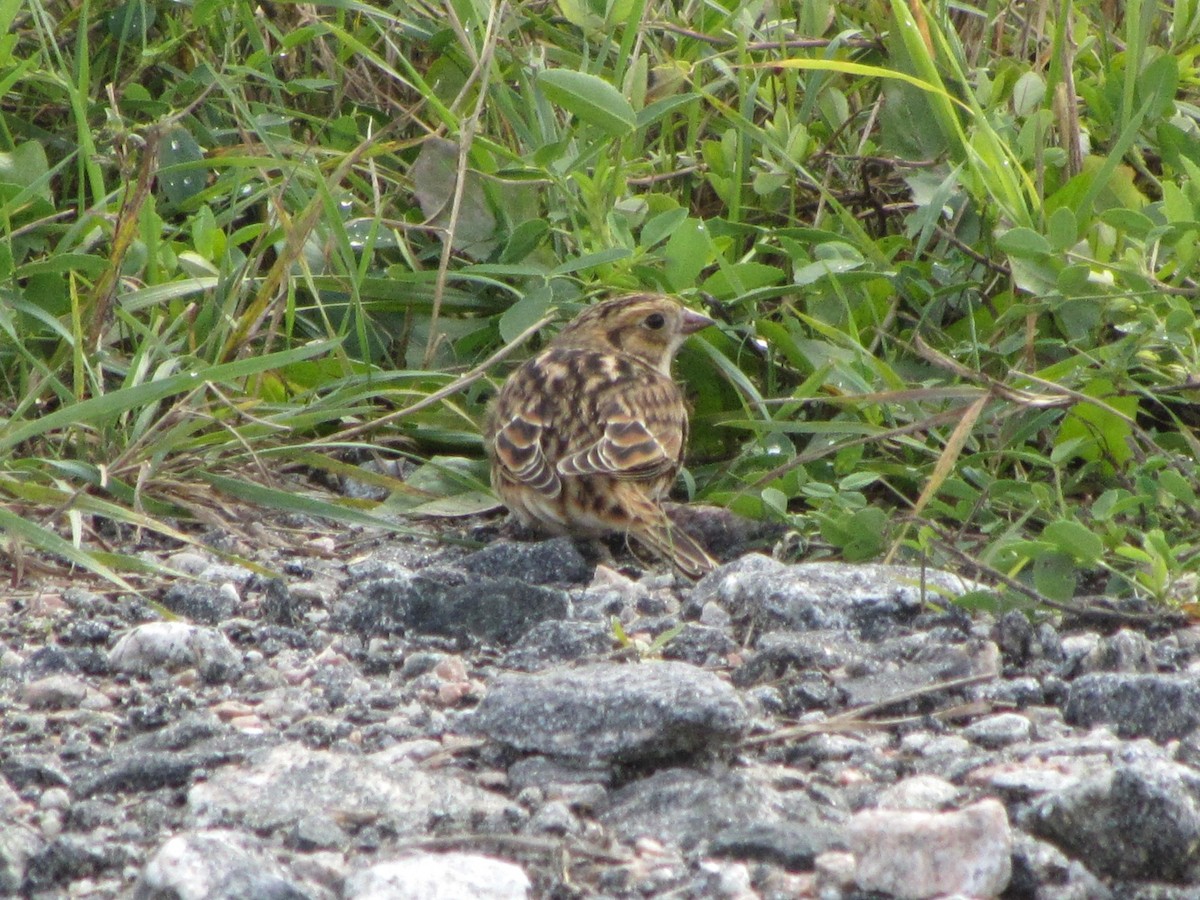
x=525, y=312
x=1075, y=539
x=1024, y=243
x=181, y=174
x=590, y=98
x=1054, y=575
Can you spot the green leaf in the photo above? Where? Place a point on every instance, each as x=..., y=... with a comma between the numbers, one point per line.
x=662, y=226
x=859, y=536
x=1024, y=243
x=1075, y=539
x=1062, y=229
x=1105, y=427
x=738, y=279
x=590, y=98
x=525, y=312
x=107, y=407
x=180, y=176
x=688, y=251
x=1177, y=486
x=1054, y=575
x=524, y=239
x=590, y=261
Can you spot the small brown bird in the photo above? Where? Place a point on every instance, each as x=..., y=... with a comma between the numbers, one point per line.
x=587, y=437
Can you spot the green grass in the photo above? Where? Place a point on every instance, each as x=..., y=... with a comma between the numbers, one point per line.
x=953, y=252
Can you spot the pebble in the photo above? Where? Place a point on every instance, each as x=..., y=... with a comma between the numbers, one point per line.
x=613, y=711
x=173, y=646
x=915, y=855
x=329, y=725
x=439, y=876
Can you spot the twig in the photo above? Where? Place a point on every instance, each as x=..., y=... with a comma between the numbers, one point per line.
x=854, y=719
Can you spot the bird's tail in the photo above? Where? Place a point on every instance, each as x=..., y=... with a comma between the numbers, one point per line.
x=674, y=544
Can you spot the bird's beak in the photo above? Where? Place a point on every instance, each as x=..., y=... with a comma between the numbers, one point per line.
x=694, y=321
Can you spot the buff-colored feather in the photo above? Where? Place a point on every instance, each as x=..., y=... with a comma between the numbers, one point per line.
x=587, y=437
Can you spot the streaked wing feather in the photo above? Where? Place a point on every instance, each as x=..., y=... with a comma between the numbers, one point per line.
x=633, y=444
x=517, y=447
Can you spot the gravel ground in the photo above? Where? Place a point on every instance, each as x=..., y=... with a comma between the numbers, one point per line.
x=373, y=716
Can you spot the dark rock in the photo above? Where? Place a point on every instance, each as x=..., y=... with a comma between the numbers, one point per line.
x=723, y=533
x=788, y=844
x=22, y=769
x=451, y=603
x=142, y=772
x=778, y=654
x=279, y=607
x=88, y=631
x=1015, y=636
x=1139, y=819
x=1158, y=706
x=67, y=858
x=557, y=641
x=208, y=604
x=686, y=807
x=653, y=710
x=700, y=645
x=49, y=660
x=1039, y=869
x=556, y=561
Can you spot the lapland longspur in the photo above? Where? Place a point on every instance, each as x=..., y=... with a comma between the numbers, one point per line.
x=586, y=438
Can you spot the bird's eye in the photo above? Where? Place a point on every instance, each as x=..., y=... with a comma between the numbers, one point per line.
x=656, y=321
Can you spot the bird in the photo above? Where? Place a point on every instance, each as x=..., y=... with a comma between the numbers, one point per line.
x=586, y=437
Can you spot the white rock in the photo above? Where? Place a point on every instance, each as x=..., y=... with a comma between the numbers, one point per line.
x=172, y=645
x=926, y=792
x=915, y=855
x=439, y=876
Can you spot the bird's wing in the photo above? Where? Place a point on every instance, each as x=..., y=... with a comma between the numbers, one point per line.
x=644, y=432
x=517, y=447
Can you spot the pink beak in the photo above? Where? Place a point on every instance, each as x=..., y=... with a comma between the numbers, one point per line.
x=694, y=321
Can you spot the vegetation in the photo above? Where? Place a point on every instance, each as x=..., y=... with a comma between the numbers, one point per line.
x=953, y=250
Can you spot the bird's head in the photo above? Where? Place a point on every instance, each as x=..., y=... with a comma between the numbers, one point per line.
x=647, y=326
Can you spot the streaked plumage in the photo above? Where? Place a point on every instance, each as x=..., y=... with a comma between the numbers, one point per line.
x=587, y=436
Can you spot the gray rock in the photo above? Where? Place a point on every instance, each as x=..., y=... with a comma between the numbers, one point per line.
x=557, y=561
x=59, y=691
x=1158, y=706
x=909, y=854
x=759, y=590
x=700, y=645
x=18, y=845
x=279, y=787
x=452, y=603
x=689, y=808
x=439, y=876
x=651, y=710
x=201, y=602
x=999, y=730
x=557, y=641
x=71, y=856
x=1139, y=819
x=793, y=845
x=176, y=645
x=1042, y=870
x=214, y=865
